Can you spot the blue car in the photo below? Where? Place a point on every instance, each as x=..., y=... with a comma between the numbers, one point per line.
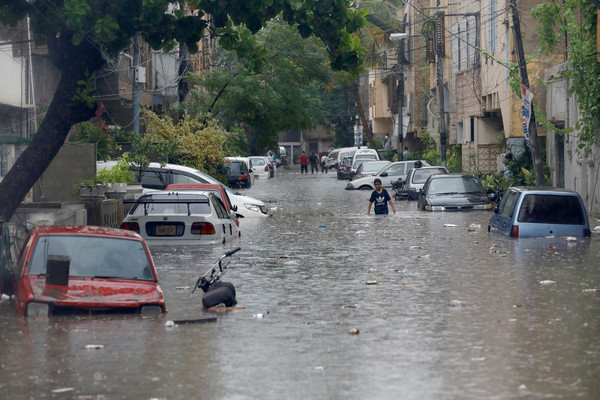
x=540, y=212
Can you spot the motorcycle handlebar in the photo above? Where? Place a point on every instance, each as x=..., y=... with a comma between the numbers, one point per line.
x=231, y=252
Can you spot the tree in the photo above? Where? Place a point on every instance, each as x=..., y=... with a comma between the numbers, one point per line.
x=292, y=90
x=82, y=34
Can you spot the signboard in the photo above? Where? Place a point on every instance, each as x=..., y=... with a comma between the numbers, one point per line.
x=526, y=97
x=358, y=135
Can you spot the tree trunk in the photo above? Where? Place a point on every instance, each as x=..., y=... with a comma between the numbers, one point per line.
x=363, y=119
x=74, y=62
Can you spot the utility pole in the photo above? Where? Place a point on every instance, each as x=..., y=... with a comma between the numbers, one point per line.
x=440, y=38
x=400, y=116
x=135, y=96
x=533, y=140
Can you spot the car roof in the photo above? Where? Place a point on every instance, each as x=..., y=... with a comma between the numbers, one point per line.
x=453, y=175
x=91, y=230
x=193, y=186
x=545, y=190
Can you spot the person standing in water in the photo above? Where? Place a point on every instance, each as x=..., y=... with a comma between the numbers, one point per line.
x=381, y=198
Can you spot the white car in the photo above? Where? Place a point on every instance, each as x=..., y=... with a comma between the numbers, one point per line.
x=260, y=167
x=391, y=173
x=184, y=217
x=159, y=177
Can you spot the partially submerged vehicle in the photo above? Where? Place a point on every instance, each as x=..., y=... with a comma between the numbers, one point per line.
x=90, y=269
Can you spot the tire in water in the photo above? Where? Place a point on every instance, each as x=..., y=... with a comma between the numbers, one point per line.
x=218, y=295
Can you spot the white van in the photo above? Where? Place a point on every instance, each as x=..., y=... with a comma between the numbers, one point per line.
x=345, y=152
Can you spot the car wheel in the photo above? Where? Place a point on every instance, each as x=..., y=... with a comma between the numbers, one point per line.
x=218, y=295
x=219, y=284
x=365, y=187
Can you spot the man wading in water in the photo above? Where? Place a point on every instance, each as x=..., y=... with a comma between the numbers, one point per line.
x=381, y=198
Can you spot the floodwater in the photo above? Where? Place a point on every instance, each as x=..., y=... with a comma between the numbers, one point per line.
x=455, y=313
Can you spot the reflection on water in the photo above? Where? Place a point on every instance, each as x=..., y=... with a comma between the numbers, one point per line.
x=455, y=313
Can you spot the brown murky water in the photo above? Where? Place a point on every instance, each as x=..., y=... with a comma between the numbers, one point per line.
x=455, y=314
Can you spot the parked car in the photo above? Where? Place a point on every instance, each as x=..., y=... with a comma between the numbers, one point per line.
x=68, y=268
x=186, y=217
x=369, y=168
x=343, y=171
x=391, y=173
x=415, y=180
x=217, y=190
x=536, y=212
x=159, y=177
x=453, y=192
x=238, y=172
x=261, y=168
x=332, y=158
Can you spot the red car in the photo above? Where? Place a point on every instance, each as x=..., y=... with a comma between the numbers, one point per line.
x=67, y=268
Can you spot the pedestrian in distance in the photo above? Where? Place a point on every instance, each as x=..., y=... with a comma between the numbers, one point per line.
x=381, y=198
x=405, y=153
x=387, y=143
x=324, y=164
x=273, y=162
x=314, y=161
x=303, y=162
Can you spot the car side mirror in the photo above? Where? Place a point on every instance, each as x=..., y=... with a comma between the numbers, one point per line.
x=234, y=208
x=384, y=174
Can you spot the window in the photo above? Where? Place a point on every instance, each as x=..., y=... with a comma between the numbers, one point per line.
x=551, y=209
x=507, y=204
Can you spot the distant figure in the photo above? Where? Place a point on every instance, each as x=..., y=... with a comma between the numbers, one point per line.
x=381, y=198
x=507, y=160
x=314, y=161
x=274, y=163
x=387, y=143
x=405, y=153
x=303, y=162
x=324, y=163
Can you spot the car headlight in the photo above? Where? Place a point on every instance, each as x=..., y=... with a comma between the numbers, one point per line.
x=483, y=206
x=435, y=208
x=252, y=207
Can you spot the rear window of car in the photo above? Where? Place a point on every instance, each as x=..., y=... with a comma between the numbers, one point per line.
x=258, y=162
x=233, y=168
x=421, y=175
x=551, y=209
x=162, y=204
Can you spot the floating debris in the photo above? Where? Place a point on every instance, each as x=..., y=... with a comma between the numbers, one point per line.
x=457, y=303
x=590, y=290
x=547, y=282
x=360, y=233
x=94, y=346
x=373, y=282
x=63, y=390
x=474, y=227
x=354, y=331
x=182, y=288
x=170, y=324
x=450, y=225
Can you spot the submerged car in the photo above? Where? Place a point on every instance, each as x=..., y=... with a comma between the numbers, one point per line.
x=238, y=173
x=540, y=212
x=391, y=173
x=343, y=171
x=67, y=268
x=187, y=217
x=415, y=180
x=368, y=168
x=158, y=177
x=261, y=167
x=453, y=192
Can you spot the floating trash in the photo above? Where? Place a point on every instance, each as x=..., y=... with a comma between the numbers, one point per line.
x=450, y=225
x=547, y=282
x=63, y=390
x=373, y=282
x=259, y=316
x=571, y=239
x=474, y=227
x=360, y=233
x=322, y=226
x=457, y=303
x=354, y=331
x=170, y=324
x=94, y=346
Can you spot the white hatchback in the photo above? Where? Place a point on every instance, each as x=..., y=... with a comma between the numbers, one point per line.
x=260, y=167
x=186, y=217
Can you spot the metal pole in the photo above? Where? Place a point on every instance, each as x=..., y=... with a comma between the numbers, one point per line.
x=400, y=117
x=135, y=96
x=440, y=77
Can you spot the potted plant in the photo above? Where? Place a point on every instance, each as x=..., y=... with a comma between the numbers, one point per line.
x=116, y=178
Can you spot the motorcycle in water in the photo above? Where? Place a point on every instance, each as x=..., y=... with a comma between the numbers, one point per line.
x=216, y=291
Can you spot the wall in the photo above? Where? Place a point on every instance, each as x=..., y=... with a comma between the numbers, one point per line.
x=74, y=163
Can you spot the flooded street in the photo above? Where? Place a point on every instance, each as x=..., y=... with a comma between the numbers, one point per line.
x=455, y=313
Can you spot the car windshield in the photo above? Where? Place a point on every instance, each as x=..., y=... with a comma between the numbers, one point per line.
x=551, y=209
x=93, y=256
x=165, y=204
x=456, y=185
